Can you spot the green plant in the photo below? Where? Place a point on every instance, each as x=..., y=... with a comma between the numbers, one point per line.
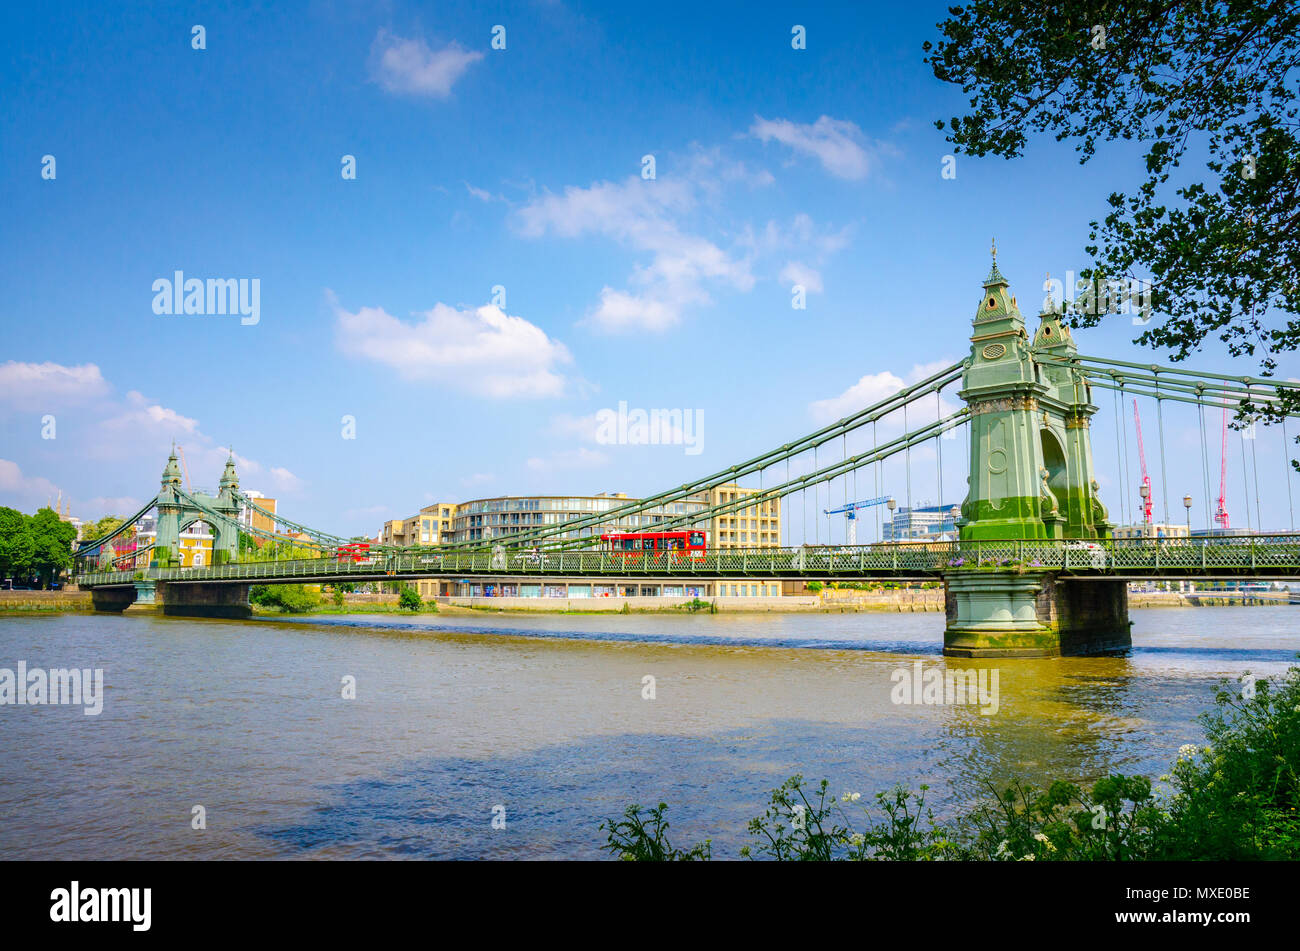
x=337, y=597
x=1237, y=797
x=815, y=587
x=637, y=839
x=409, y=599
x=1118, y=820
x=795, y=827
x=288, y=598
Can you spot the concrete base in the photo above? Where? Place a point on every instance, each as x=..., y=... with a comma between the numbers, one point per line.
x=223, y=600
x=115, y=599
x=1035, y=614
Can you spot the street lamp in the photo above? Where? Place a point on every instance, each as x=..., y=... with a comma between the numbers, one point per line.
x=1145, y=492
x=893, y=535
x=1187, y=504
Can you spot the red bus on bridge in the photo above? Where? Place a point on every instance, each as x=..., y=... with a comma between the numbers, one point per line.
x=687, y=544
x=356, y=551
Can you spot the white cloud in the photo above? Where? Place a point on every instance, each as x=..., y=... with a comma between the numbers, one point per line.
x=29, y=493
x=661, y=218
x=875, y=387
x=411, y=67
x=620, y=311
x=45, y=385
x=796, y=272
x=642, y=215
x=482, y=194
x=870, y=389
x=284, y=480
x=838, y=144
x=24, y=492
x=122, y=430
x=483, y=351
x=143, y=417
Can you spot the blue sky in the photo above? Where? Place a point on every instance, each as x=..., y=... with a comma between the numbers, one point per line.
x=520, y=169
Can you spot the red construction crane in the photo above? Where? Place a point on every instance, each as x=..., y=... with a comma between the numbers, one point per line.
x=1142, y=457
x=1221, y=516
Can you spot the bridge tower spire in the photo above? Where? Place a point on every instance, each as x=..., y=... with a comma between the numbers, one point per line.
x=225, y=541
x=170, y=506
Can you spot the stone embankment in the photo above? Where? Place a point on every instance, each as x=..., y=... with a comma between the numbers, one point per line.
x=73, y=600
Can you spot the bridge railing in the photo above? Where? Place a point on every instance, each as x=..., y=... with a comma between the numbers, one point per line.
x=1230, y=553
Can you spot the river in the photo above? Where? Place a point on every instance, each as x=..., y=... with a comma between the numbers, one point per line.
x=541, y=721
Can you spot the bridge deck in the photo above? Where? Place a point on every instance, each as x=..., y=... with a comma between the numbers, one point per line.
x=1249, y=556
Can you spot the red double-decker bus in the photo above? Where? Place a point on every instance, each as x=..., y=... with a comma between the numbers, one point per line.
x=356, y=551
x=687, y=544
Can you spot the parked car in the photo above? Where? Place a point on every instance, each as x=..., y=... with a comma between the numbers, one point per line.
x=1095, y=555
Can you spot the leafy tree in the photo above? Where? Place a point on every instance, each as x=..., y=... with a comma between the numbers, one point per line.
x=52, y=541
x=289, y=598
x=17, y=549
x=338, y=596
x=1211, y=81
x=92, y=530
x=409, y=599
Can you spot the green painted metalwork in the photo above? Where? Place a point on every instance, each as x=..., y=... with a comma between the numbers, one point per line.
x=1031, y=470
x=1227, y=556
x=1031, y=481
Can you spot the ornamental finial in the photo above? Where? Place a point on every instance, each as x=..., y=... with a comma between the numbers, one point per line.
x=993, y=249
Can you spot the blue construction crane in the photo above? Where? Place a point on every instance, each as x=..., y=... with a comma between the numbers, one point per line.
x=851, y=511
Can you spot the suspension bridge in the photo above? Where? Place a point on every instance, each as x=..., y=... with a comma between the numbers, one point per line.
x=1035, y=569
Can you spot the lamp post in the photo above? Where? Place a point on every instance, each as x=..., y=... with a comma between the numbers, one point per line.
x=1145, y=492
x=1187, y=504
x=893, y=534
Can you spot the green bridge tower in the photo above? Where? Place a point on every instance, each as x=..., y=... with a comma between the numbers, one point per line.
x=175, y=514
x=1031, y=478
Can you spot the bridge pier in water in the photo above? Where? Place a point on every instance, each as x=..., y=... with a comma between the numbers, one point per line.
x=1033, y=614
x=188, y=599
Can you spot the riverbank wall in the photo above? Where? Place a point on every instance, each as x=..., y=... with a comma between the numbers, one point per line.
x=45, y=601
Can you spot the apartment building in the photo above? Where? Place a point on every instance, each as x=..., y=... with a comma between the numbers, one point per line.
x=754, y=526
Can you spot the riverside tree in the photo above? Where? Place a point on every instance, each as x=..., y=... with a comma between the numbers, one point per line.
x=1209, y=89
x=35, y=547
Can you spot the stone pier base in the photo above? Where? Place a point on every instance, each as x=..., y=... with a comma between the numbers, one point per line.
x=174, y=598
x=1035, y=614
x=191, y=599
x=115, y=599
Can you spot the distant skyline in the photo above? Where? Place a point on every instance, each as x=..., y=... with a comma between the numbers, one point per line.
x=502, y=270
